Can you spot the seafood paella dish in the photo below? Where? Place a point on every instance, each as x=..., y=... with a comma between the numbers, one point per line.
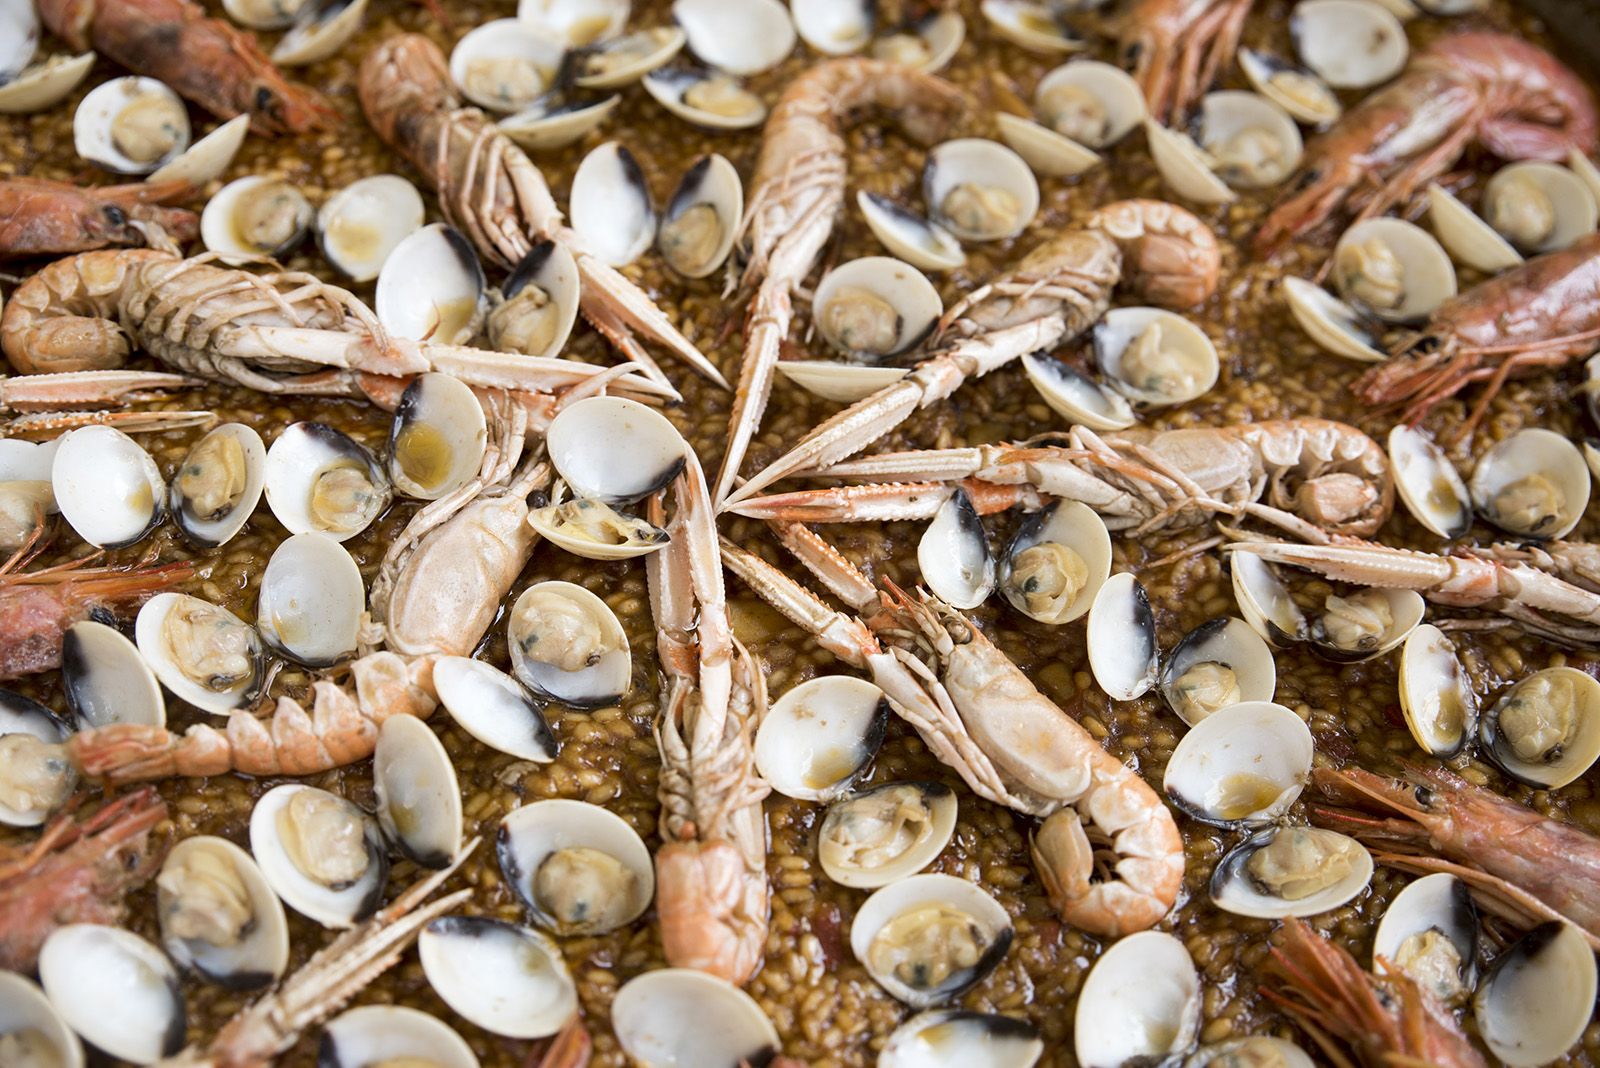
x=725, y=533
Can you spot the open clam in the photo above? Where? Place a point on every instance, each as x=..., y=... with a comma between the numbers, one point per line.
x=1435, y=694
x=953, y=1038
x=363, y=223
x=1082, y=107
x=320, y=853
x=575, y=23
x=875, y=307
x=505, y=978
x=321, y=28
x=577, y=868
x=1290, y=871
x=1539, y=207
x=207, y=159
x=43, y=84
x=432, y=288
x=1154, y=357
x=1221, y=662
x=701, y=221
x=1242, y=765
x=538, y=303
x=419, y=799
x=1534, y=484
x=591, y=528
x=254, y=217
x=979, y=190
x=218, y=915
x=31, y=1030
x=1536, y=998
x=1076, y=396
x=738, y=36
x=1253, y=143
x=131, y=125
x=321, y=480
x=614, y=449
x=201, y=652
x=1348, y=627
x=1331, y=323
x=1545, y=730
x=1036, y=27
x=1187, y=169
x=1430, y=932
x=218, y=485
x=679, y=1016
x=106, y=680
x=568, y=646
x=108, y=488
x=374, y=1035
x=709, y=98
x=1469, y=240
x=953, y=554
x=1263, y=1050
x=927, y=938
x=624, y=60
x=558, y=118
x=25, y=491
x=438, y=437
x=1428, y=484
x=505, y=64
x=819, y=737
x=835, y=380
x=1140, y=1000
x=611, y=208
x=263, y=14
x=36, y=774
x=1056, y=563
x=840, y=27
x=1294, y=89
x=1585, y=169
x=1392, y=268
x=885, y=833
x=1350, y=44
x=494, y=708
x=1121, y=639
x=115, y=989
x=911, y=237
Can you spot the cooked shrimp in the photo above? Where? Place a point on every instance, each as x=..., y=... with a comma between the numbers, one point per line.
x=39, y=217
x=1177, y=48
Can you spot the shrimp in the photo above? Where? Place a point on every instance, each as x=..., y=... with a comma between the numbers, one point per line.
x=711, y=870
x=1543, y=313
x=275, y=333
x=37, y=607
x=798, y=194
x=982, y=716
x=1154, y=249
x=77, y=871
x=489, y=188
x=39, y=217
x=1385, y=1020
x=1177, y=48
x=206, y=60
x=1519, y=864
x=1491, y=89
x=1317, y=477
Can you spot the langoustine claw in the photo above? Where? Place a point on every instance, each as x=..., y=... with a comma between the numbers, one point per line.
x=39, y=217
x=76, y=871
x=206, y=60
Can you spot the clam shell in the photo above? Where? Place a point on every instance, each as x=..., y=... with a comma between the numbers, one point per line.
x=1470, y=241
x=1532, y=453
x=1406, y=609
x=553, y=270
x=419, y=799
x=45, y=84
x=92, y=123
x=1076, y=526
x=1233, y=889
x=1350, y=44
x=1227, y=115
x=1264, y=600
x=739, y=36
x=1430, y=676
x=1114, y=338
x=1576, y=211
x=858, y=817
x=590, y=528
x=494, y=708
x=507, y=979
x=558, y=119
x=1536, y=999
x=505, y=40
x=1244, y=765
x=1049, y=154
x=261, y=955
x=438, y=438
x=22, y=715
x=431, y=287
x=337, y=908
x=1226, y=640
x=954, y=1038
x=1306, y=97
x=106, y=680
x=1075, y=397
x=575, y=23
x=108, y=488
x=905, y=289
x=713, y=181
x=115, y=989
x=669, y=86
x=217, y=530
x=220, y=221
x=953, y=555
x=1141, y=999
x=678, y=1016
x=1033, y=26
x=1429, y=278
x=615, y=449
x=384, y=1034
x=923, y=891
x=302, y=453
x=665, y=43
x=843, y=383
x=208, y=158
x=910, y=236
x=1116, y=90
x=1185, y=167
x=1121, y=639
x=1429, y=486
x=530, y=834
x=834, y=27
x=974, y=160
x=817, y=740
x=320, y=29
x=1438, y=902
x=23, y=1007
x=1330, y=322
x=1569, y=758
x=599, y=683
x=363, y=223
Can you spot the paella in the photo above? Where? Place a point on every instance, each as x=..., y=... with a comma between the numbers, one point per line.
x=835, y=533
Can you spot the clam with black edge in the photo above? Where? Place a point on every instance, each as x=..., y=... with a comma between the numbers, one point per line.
x=419, y=799
x=568, y=646
x=1121, y=639
x=321, y=480
x=577, y=868
x=1140, y=1000
x=679, y=1016
x=1221, y=662
x=708, y=98
x=1534, y=484
x=701, y=220
x=979, y=190
x=1154, y=357
x=1036, y=27
x=508, y=979
x=438, y=438
x=432, y=288
x=107, y=486
x=494, y=708
x=218, y=915
x=1436, y=695
x=391, y=1035
x=886, y=832
x=875, y=307
x=1430, y=932
x=106, y=680
x=953, y=555
x=927, y=938
x=321, y=854
x=115, y=989
x=218, y=485
x=36, y=774
x=817, y=740
x=1075, y=395
x=623, y=60
x=908, y=235
x=256, y=217
x=201, y=652
x=1244, y=765
x=362, y=224
x=1535, y=1001
x=591, y=528
x=535, y=309
x=611, y=207
x=1428, y=483
x=1290, y=871
x=321, y=28
x=1334, y=325
x=1294, y=89
x=954, y=1038
x=1545, y=730
x=614, y=449
x=1056, y=563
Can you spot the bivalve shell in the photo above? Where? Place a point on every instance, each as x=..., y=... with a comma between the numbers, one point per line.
x=739, y=36
x=1364, y=624
x=1047, y=152
x=1221, y=662
x=1470, y=241
x=590, y=528
x=538, y=303
x=105, y=679
x=218, y=485
x=438, y=437
x=263, y=14
x=611, y=208
x=818, y=739
x=108, y=488
x=505, y=978
x=1154, y=357
x=953, y=1038
x=1121, y=639
x=1290, y=871
x=1056, y=563
x=419, y=799
x=1244, y=765
x=27, y=1014
x=615, y=449
x=363, y=223
x=953, y=554
x=1091, y=103
x=679, y=1016
x=568, y=646
x=494, y=708
x=558, y=118
x=1585, y=169
x=207, y=159
x=1185, y=166
x=218, y=915
x=1264, y=600
x=1294, y=89
x=927, y=938
x=201, y=652
x=928, y=43
x=843, y=383
x=911, y=237
x=1536, y=999
x=505, y=64
x=1534, y=484
x=44, y=84
x=1393, y=268
x=320, y=853
x=886, y=832
x=833, y=27
x=1350, y=44
x=1330, y=322
x=1538, y=206
x=1429, y=485
x=1430, y=932
x=701, y=222
x=875, y=307
x=1257, y=1049
x=255, y=217
x=575, y=23
x=623, y=60
x=392, y=1034
x=321, y=28
x=38, y=774
x=1034, y=26
x=1253, y=143
x=1140, y=1000
x=115, y=989
x=1545, y=730
x=577, y=868
x=1435, y=694
x=1075, y=396
x=131, y=125
x=708, y=98
x=321, y=480
x=979, y=190
x=431, y=288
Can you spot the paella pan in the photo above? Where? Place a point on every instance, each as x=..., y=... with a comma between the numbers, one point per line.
x=825, y=533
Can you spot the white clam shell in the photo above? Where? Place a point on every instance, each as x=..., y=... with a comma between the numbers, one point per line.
x=615, y=449
x=330, y=907
x=106, y=680
x=311, y=600
x=552, y=268
x=1181, y=341
x=1078, y=398
x=844, y=383
x=381, y=1034
x=1536, y=999
x=261, y=955
x=21, y=715
x=677, y=1016
x=419, y=799
x=505, y=39
x=530, y=834
x=611, y=208
x=507, y=979
x=738, y=36
x=320, y=29
x=1428, y=483
x=363, y=223
x=911, y=237
x=19, y=37
x=431, y=287
x=1586, y=170
x=45, y=84
x=597, y=684
x=904, y=288
x=833, y=27
x=1245, y=764
x=494, y=708
x=24, y=1007
x=575, y=23
x=856, y=815
x=1141, y=999
x=662, y=46
x=1470, y=241
x=1320, y=108
x=1229, y=114
x=108, y=488
x=263, y=14
x=1079, y=528
x=976, y=161
x=1532, y=453
x=669, y=85
x=713, y=181
x=1049, y=154
x=1330, y=322
x=1428, y=278
x=558, y=119
x=115, y=989
x=817, y=739
x=1406, y=609
x=211, y=532
x=1112, y=86
x=436, y=412
x=219, y=221
x=1431, y=675
x=953, y=554
x=924, y=891
x=1185, y=166
x=1564, y=762
x=1350, y=44
x=208, y=158
x=1226, y=640
x=298, y=457
x=91, y=123
x=1439, y=902
x=1121, y=639
x=1234, y=891
x=1264, y=600
x=1034, y=26
x=1576, y=211
x=566, y=527
x=953, y=1038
